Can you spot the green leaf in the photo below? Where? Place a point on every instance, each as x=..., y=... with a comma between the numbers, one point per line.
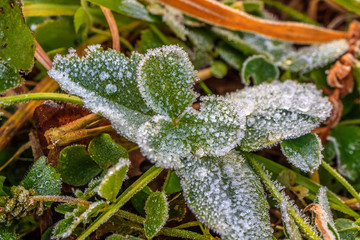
x=259, y=70
x=347, y=229
x=75, y=166
x=42, y=178
x=323, y=202
x=231, y=56
x=314, y=56
x=17, y=46
x=156, y=208
x=166, y=77
x=65, y=227
x=304, y=152
x=214, y=130
x=2, y=192
x=279, y=110
x=177, y=208
x=172, y=183
x=227, y=196
x=7, y=232
x=139, y=200
x=54, y=34
x=105, y=152
x=218, y=69
x=119, y=237
x=148, y=40
x=113, y=179
x=347, y=144
x=9, y=76
x=131, y=8
x=117, y=97
x=81, y=18
x=352, y=6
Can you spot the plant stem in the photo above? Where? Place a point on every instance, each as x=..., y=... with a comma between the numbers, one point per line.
x=77, y=135
x=188, y=224
x=158, y=33
x=61, y=199
x=305, y=228
x=122, y=199
x=290, y=11
x=341, y=179
x=113, y=28
x=205, y=88
x=42, y=57
x=204, y=74
x=349, y=122
x=40, y=96
x=172, y=232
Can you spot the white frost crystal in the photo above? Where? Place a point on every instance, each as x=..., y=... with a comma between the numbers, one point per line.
x=214, y=131
x=226, y=195
x=279, y=110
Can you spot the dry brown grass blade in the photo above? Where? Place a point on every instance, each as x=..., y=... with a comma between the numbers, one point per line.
x=24, y=112
x=219, y=14
x=113, y=28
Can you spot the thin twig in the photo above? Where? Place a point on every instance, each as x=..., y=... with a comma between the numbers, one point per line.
x=113, y=28
x=42, y=57
x=18, y=153
x=64, y=199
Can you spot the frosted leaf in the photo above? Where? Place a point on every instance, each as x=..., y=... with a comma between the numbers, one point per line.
x=106, y=81
x=250, y=43
x=303, y=152
x=279, y=110
x=225, y=194
x=174, y=19
x=111, y=183
x=314, y=56
x=322, y=200
x=43, y=179
x=291, y=229
x=157, y=213
x=65, y=227
x=166, y=77
x=9, y=76
x=214, y=131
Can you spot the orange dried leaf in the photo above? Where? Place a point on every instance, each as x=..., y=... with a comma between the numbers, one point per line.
x=219, y=14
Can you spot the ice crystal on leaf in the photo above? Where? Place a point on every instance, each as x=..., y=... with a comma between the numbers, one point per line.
x=304, y=152
x=214, y=130
x=279, y=110
x=107, y=83
x=226, y=195
x=165, y=78
x=314, y=56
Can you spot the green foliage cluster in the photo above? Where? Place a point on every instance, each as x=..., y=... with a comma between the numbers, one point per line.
x=212, y=151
